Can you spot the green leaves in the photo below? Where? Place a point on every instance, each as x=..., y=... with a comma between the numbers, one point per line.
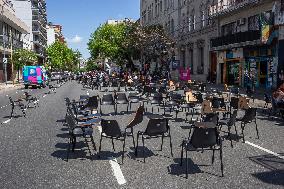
x=22, y=57
x=124, y=42
x=62, y=58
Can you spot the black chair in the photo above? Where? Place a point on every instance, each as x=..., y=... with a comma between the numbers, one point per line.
x=199, y=97
x=235, y=91
x=174, y=102
x=18, y=104
x=138, y=118
x=234, y=103
x=156, y=128
x=111, y=130
x=203, y=139
x=30, y=99
x=230, y=123
x=133, y=98
x=74, y=131
x=249, y=117
x=107, y=99
x=92, y=104
x=121, y=99
x=157, y=99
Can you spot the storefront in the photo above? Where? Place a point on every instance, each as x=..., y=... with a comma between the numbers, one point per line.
x=259, y=66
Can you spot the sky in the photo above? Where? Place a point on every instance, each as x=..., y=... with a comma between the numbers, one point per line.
x=80, y=18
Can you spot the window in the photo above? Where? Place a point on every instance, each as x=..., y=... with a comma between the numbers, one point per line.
x=202, y=19
x=191, y=60
x=193, y=22
x=200, y=69
x=253, y=23
x=229, y=29
x=189, y=24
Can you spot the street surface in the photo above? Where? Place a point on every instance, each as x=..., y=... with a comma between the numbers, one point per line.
x=33, y=152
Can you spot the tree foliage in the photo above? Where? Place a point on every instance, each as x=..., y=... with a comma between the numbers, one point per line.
x=62, y=58
x=22, y=57
x=123, y=42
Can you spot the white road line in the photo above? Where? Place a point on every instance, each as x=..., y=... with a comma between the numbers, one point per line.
x=117, y=171
x=263, y=149
x=7, y=121
x=115, y=167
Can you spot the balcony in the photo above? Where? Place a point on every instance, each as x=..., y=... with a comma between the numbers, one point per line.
x=235, y=5
x=235, y=38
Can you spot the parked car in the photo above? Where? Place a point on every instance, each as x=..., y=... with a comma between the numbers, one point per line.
x=56, y=76
x=35, y=76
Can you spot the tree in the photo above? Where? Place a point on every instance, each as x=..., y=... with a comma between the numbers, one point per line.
x=23, y=57
x=62, y=58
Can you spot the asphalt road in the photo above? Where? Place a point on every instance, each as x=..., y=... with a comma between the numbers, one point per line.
x=33, y=152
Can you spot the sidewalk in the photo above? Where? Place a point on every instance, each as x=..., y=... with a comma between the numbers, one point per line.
x=9, y=86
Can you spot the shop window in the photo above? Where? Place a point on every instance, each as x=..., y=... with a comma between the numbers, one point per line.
x=200, y=68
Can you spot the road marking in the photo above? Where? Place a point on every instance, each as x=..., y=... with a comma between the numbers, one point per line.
x=115, y=167
x=263, y=149
x=117, y=171
x=7, y=121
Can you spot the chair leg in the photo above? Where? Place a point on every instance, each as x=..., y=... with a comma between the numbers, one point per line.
x=133, y=140
x=74, y=143
x=68, y=149
x=256, y=129
x=136, y=149
x=230, y=136
x=171, y=145
x=143, y=142
x=236, y=129
x=162, y=142
x=127, y=108
x=112, y=144
x=186, y=164
x=12, y=113
x=181, y=154
x=213, y=156
x=93, y=142
x=123, y=148
x=243, y=127
x=221, y=159
x=100, y=148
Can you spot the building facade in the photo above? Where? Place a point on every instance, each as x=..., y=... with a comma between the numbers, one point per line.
x=33, y=13
x=247, y=42
x=11, y=30
x=189, y=24
x=54, y=33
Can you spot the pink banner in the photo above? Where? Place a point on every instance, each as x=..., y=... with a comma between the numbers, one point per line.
x=184, y=74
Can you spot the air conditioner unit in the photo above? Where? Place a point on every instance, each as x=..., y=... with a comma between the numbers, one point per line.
x=241, y=21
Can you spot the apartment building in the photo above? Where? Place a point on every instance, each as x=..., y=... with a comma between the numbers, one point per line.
x=247, y=44
x=33, y=13
x=11, y=30
x=54, y=33
x=189, y=24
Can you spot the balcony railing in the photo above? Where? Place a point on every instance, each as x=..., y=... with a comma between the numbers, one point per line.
x=234, y=5
x=235, y=38
x=6, y=43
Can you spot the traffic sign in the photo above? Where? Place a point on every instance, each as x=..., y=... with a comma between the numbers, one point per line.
x=5, y=60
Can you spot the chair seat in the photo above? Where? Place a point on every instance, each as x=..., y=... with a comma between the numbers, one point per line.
x=87, y=131
x=107, y=103
x=122, y=102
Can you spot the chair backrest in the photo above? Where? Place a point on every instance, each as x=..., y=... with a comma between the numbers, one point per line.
x=138, y=118
x=204, y=137
x=206, y=107
x=110, y=128
x=121, y=96
x=243, y=103
x=250, y=115
x=233, y=118
x=107, y=98
x=199, y=97
x=211, y=117
x=156, y=127
x=234, y=102
x=216, y=102
x=92, y=103
x=84, y=97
